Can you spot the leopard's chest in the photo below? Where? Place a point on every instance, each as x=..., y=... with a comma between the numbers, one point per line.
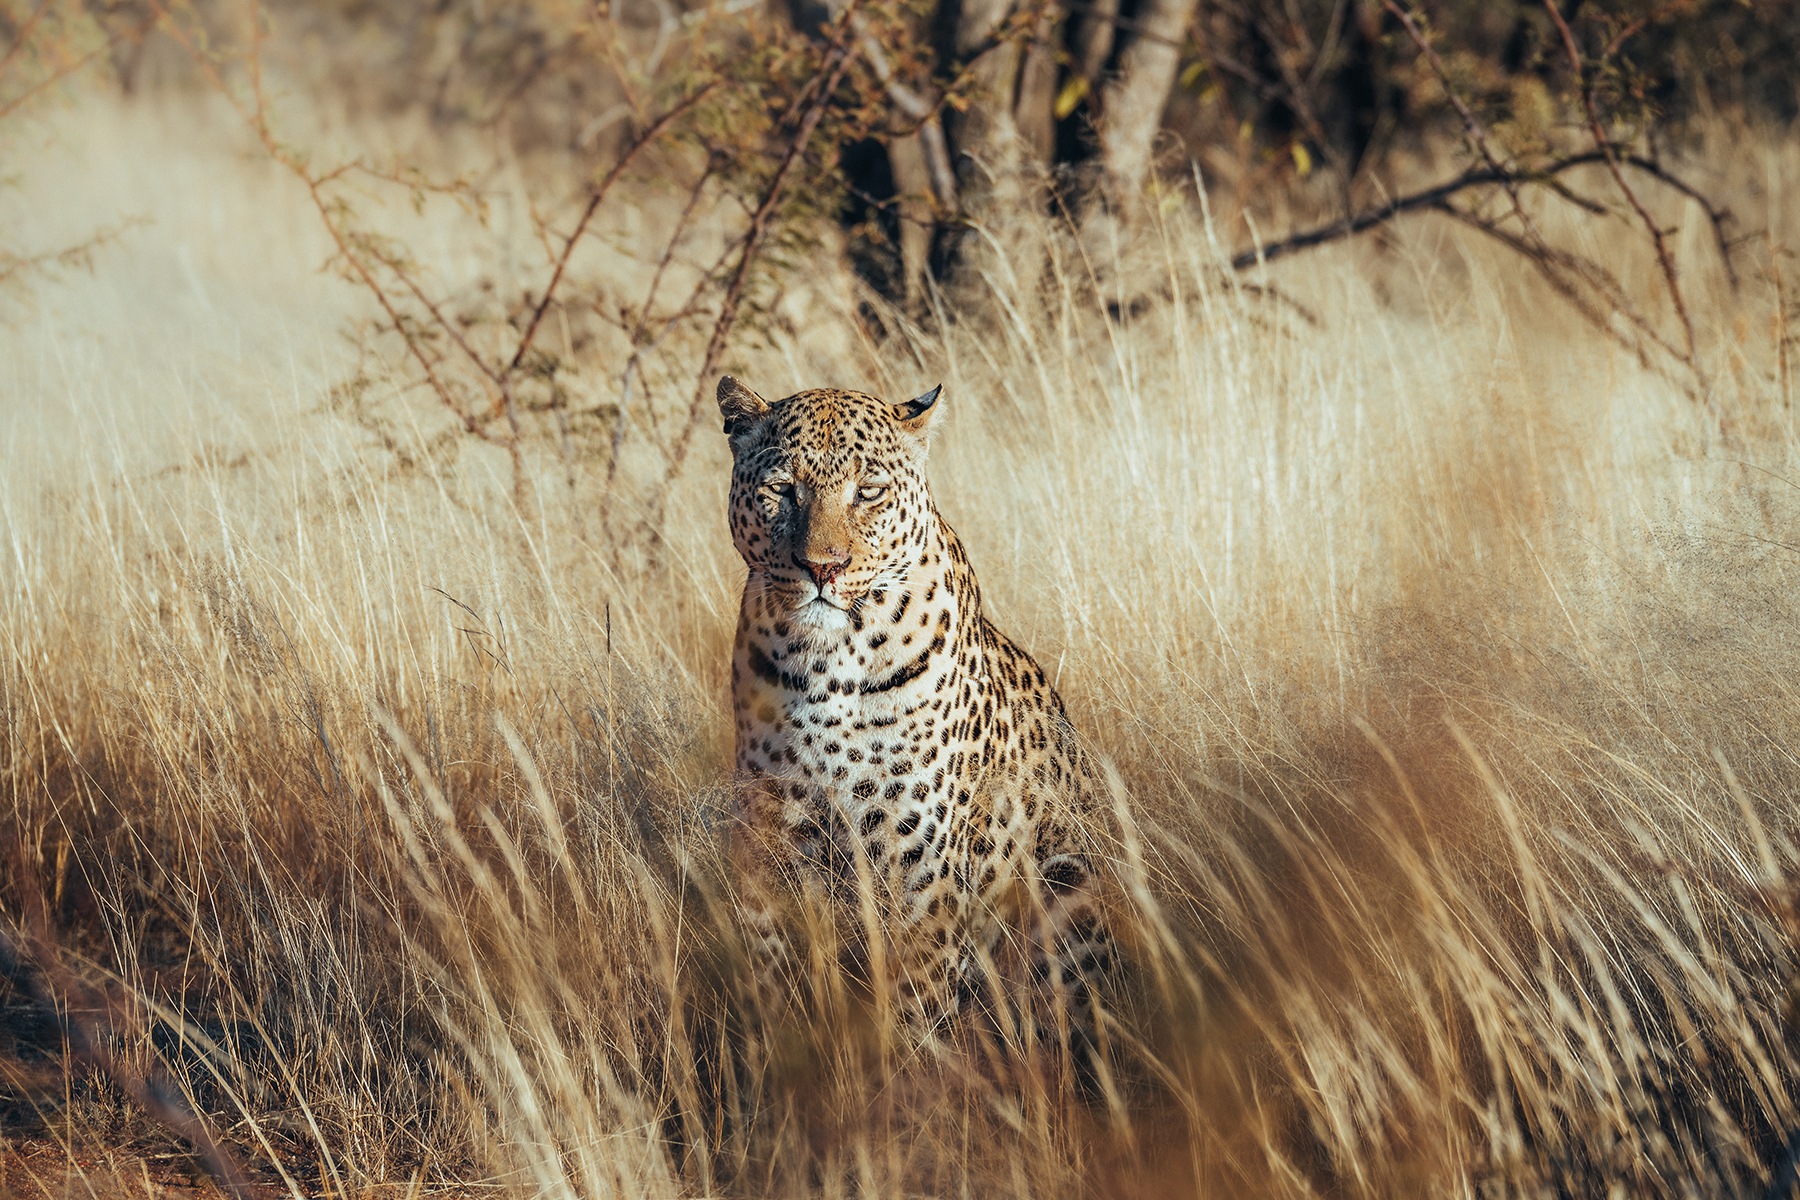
x=822, y=718
x=859, y=760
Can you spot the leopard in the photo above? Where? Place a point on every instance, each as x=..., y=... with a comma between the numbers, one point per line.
x=897, y=755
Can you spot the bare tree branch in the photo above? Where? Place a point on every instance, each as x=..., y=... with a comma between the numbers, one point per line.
x=650, y=135
x=1551, y=263
x=1471, y=123
x=1670, y=273
x=837, y=62
x=67, y=69
x=19, y=39
x=1430, y=198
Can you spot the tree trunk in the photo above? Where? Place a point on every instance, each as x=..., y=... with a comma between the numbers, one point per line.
x=1034, y=108
x=1012, y=123
x=1131, y=104
x=912, y=182
x=1094, y=39
x=985, y=138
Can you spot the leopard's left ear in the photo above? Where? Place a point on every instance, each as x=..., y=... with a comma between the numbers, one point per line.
x=740, y=406
x=921, y=415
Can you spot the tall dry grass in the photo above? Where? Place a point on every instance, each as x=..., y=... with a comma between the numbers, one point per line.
x=1446, y=654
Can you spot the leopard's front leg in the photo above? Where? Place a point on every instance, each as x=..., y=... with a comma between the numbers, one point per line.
x=1073, y=950
x=762, y=863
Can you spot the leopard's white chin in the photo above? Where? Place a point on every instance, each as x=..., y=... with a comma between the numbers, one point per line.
x=820, y=614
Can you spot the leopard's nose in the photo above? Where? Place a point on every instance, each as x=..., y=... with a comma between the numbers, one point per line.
x=824, y=566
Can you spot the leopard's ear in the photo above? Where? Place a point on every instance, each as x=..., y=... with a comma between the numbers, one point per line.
x=740, y=406
x=921, y=415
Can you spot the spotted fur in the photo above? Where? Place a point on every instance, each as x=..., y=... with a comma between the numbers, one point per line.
x=891, y=742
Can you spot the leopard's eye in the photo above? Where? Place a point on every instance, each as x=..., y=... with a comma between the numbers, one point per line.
x=782, y=487
x=871, y=491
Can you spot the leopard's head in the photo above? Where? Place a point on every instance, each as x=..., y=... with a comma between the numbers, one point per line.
x=829, y=500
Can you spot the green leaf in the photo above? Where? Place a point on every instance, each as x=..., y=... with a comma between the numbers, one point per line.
x=1072, y=94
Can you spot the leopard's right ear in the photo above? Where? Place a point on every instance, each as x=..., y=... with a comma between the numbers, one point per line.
x=920, y=415
x=740, y=406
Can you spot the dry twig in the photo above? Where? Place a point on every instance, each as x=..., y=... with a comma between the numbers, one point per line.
x=361, y=252
x=831, y=72
x=1588, y=88
x=1575, y=277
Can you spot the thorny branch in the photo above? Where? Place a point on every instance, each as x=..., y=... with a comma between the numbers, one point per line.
x=634, y=364
x=1432, y=197
x=438, y=342
x=80, y=255
x=1551, y=262
x=1471, y=123
x=24, y=34
x=837, y=61
x=655, y=131
x=1548, y=260
x=257, y=119
x=66, y=69
x=1588, y=90
x=360, y=252
x=1568, y=273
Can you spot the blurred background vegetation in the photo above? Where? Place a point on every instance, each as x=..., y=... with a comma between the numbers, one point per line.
x=901, y=133
x=945, y=101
